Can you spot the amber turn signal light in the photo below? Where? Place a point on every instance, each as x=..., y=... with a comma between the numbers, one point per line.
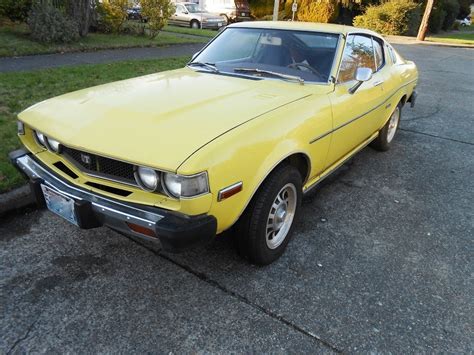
x=141, y=230
x=229, y=191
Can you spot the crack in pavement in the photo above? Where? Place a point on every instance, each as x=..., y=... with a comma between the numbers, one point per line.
x=435, y=112
x=435, y=136
x=24, y=337
x=214, y=283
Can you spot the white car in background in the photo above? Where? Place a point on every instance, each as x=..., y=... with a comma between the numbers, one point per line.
x=189, y=14
x=465, y=21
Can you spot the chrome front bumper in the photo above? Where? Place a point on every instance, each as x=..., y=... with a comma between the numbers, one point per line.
x=175, y=231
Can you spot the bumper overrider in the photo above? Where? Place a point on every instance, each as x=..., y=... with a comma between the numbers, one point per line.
x=174, y=231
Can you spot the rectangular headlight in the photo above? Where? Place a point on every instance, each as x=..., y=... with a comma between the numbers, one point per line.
x=186, y=186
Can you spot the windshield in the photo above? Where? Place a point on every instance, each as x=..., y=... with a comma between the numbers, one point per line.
x=308, y=55
x=193, y=8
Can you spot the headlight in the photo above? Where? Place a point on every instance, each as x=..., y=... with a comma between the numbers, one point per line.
x=147, y=178
x=20, y=127
x=40, y=138
x=186, y=186
x=53, y=144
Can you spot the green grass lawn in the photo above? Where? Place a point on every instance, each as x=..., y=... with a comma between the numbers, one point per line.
x=22, y=89
x=465, y=36
x=191, y=31
x=15, y=41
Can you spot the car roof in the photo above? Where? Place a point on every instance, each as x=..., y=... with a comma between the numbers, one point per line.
x=304, y=26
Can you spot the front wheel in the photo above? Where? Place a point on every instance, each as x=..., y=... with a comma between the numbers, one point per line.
x=387, y=133
x=195, y=24
x=265, y=228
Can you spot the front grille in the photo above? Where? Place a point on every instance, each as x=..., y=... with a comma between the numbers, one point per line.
x=100, y=166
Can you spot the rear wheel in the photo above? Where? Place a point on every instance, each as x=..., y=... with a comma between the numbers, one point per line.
x=265, y=228
x=195, y=24
x=387, y=133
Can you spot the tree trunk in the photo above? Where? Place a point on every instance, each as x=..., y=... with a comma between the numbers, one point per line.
x=424, y=22
x=81, y=11
x=276, y=6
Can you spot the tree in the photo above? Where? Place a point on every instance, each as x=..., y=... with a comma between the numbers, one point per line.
x=112, y=14
x=157, y=13
x=424, y=22
x=81, y=12
x=15, y=10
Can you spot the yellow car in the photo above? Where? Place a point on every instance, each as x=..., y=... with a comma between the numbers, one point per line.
x=257, y=118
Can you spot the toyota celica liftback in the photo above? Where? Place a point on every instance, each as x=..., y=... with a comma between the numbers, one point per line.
x=256, y=119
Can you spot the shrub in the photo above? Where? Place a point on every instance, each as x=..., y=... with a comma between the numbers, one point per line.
x=134, y=28
x=111, y=14
x=395, y=17
x=48, y=24
x=261, y=8
x=437, y=17
x=15, y=10
x=317, y=10
x=451, y=7
x=464, y=8
x=157, y=13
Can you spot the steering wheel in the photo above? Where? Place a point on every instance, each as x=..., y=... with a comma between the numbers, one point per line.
x=307, y=66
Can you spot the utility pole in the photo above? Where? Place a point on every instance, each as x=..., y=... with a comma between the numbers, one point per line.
x=424, y=22
x=276, y=5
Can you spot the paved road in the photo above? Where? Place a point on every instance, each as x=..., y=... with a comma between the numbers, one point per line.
x=103, y=56
x=381, y=260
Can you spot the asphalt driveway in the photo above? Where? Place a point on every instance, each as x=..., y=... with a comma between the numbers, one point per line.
x=381, y=261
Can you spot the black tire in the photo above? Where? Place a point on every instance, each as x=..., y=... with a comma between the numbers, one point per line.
x=384, y=141
x=251, y=230
x=195, y=24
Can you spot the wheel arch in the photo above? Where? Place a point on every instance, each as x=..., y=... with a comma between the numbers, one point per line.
x=299, y=159
x=403, y=100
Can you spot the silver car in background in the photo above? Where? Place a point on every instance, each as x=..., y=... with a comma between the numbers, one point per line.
x=189, y=14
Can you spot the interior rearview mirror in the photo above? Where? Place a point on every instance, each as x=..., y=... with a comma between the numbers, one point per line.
x=361, y=75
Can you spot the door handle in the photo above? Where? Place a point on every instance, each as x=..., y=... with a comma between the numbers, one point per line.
x=378, y=82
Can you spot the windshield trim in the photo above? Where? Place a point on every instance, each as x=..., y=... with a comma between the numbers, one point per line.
x=310, y=82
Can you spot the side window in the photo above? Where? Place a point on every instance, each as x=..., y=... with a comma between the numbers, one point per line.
x=180, y=9
x=392, y=55
x=359, y=53
x=379, y=55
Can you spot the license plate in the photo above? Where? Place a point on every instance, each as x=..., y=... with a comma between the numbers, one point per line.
x=62, y=205
x=243, y=14
x=219, y=24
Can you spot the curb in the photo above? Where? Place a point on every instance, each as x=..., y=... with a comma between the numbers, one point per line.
x=16, y=199
x=414, y=41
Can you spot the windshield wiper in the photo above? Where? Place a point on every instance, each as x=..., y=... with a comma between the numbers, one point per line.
x=269, y=72
x=209, y=66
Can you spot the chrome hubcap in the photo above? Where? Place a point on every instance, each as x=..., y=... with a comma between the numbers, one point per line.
x=393, y=124
x=281, y=216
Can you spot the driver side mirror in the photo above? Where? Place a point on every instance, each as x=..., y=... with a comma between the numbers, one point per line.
x=361, y=75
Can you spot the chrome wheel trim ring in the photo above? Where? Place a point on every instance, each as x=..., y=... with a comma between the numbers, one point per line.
x=393, y=124
x=281, y=215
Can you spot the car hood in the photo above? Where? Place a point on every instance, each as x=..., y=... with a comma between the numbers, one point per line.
x=158, y=120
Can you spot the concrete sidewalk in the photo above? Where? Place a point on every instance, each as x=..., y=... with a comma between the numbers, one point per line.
x=10, y=64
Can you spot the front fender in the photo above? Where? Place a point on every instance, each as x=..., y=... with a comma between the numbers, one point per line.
x=251, y=151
